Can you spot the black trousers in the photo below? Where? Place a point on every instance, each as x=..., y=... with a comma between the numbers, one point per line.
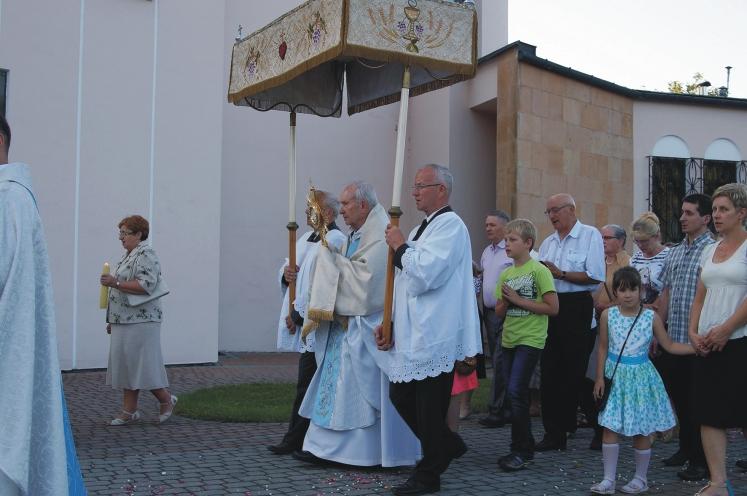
x=564, y=361
x=677, y=373
x=423, y=405
x=297, y=426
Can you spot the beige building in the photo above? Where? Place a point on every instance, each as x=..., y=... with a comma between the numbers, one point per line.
x=618, y=151
x=119, y=107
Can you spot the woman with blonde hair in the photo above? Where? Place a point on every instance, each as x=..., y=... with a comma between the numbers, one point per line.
x=718, y=332
x=650, y=257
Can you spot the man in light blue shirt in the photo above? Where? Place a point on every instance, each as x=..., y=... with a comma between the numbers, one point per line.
x=574, y=253
x=493, y=262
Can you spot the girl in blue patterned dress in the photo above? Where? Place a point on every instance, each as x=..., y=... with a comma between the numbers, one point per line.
x=638, y=404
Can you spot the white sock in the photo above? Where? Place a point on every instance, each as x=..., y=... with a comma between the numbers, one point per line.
x=642, y=458
x=609, y=458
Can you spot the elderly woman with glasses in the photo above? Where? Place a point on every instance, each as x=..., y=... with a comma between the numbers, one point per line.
x=650, y=257
x=135, y=360
x=615, y=257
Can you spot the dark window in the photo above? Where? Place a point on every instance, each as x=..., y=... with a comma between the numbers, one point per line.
x=717, y=173
x=671, y=179
x=3, y=87
x=666, y=190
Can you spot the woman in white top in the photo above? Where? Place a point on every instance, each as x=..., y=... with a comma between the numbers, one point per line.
x=718, y=331
x=650, y=257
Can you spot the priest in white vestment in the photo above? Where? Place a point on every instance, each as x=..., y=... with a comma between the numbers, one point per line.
x=37, y=452
x=291, y=318
x=435, y=323
x=352, y=419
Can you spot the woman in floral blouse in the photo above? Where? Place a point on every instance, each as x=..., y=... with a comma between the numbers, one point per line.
x=135, y=360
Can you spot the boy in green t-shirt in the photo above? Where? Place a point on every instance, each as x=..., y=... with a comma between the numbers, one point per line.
x=526, y=296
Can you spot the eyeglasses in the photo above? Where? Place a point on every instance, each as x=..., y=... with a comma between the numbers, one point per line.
x=640, y=242
x=122, y=234
x=607, y=238
x=555, y=210
x=419, y=187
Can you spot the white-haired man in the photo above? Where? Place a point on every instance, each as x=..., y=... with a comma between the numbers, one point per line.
x=435, y=323
x=352, y=419
x=574, y=253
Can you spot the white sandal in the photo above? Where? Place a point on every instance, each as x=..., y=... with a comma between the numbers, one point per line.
x=165, y=416
x=635, y=486
x=131, y=418
x=605, y=487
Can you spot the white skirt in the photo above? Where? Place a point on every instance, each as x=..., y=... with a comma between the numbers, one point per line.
x=135, y=359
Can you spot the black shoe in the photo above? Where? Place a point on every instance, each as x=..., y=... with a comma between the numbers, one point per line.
x=551, y=443
x=308, y=457
x=512, y=462
x=693, y=473
x=456, y=450
x=412, y=487
x=282, y=448
x=742, y=464
x=676, y=460
x=493, y=421
x=459, y=448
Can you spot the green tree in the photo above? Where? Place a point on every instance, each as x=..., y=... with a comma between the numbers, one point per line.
x=691, y=88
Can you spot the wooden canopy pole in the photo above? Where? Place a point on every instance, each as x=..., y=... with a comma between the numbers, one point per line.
x=395, y=212
x=292, y=226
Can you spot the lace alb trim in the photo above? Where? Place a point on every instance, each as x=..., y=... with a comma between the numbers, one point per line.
x=403, y=369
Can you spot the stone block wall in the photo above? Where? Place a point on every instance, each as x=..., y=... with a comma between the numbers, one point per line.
x=569, y=137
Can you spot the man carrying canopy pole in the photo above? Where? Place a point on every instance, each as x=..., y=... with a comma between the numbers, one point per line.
x=435, y=323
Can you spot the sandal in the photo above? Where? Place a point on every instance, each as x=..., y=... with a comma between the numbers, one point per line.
x=605, y=487
x=726, y=485
x=635, y=486
x=163, y=417
x=126, y=418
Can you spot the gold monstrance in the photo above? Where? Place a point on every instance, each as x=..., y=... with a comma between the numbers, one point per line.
x=315, y=210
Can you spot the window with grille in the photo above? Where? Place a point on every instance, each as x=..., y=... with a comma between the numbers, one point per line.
x=671, y=179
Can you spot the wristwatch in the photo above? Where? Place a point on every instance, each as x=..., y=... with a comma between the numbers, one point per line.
x=118, y=281
x=562, y=274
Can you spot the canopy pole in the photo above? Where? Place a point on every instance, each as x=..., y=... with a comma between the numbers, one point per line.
x=396, y=212
x=292, y=226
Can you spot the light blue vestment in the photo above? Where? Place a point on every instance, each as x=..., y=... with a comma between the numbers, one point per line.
x=36, y=456
x=352, y=419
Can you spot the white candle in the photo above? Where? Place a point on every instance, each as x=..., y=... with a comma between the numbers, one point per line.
x=399, y=157
x=104, y=295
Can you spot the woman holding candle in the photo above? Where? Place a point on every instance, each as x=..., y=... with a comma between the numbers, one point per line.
x=135, y=360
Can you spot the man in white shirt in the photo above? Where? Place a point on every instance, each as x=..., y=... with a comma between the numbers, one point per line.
x=493, y=262
x=290, y=321
x=435, y=323
x=574, y=253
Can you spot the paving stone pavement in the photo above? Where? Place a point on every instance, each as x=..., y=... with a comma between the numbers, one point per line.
x=192, y=457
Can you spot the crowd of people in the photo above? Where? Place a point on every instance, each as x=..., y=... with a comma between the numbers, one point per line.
x=639, y=344
x=629, y=341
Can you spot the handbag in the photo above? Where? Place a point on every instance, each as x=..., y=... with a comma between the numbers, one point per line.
x=602, y=402
x=135, y=300
x=161, y=289
x=466, y=366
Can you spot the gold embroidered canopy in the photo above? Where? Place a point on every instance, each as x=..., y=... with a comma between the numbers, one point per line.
x=298, y=62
